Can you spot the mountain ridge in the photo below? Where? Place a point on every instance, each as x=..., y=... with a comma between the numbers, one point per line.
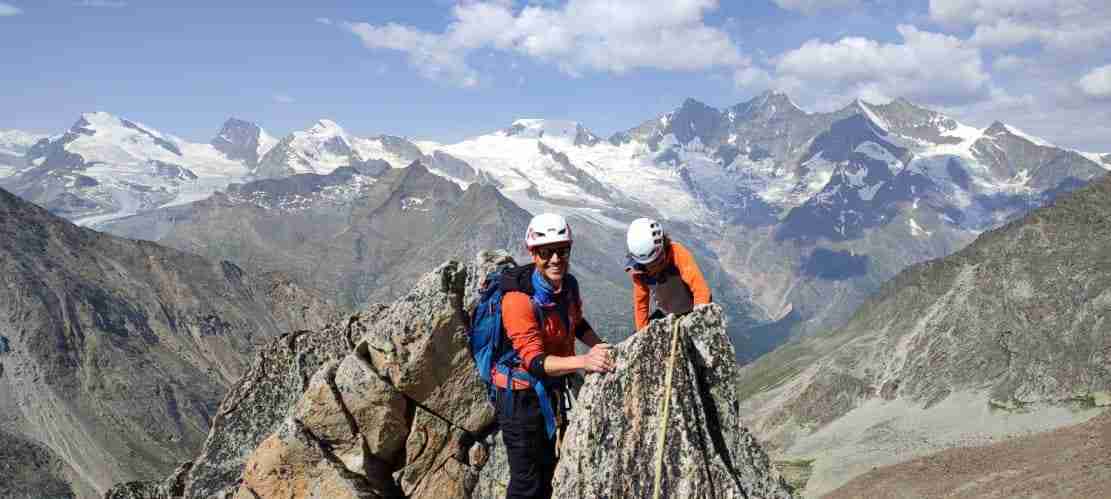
x=1004, y=335
x=113, y=353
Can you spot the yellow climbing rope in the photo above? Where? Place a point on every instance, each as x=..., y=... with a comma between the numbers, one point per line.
x=665, y=408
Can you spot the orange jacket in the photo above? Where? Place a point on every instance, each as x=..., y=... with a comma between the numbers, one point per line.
x=533, y=340
x=683, y=261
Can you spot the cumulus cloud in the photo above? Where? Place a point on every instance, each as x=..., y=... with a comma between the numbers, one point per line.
x=613, y=36
x=1059, y=25
x=752, y=78
x=810, y=7
x=7, y=9
x=1097, y=83
x=284, y=99
x=929, y=67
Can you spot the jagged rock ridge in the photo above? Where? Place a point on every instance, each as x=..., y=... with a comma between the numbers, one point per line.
x=388, y=404
x=610, y=444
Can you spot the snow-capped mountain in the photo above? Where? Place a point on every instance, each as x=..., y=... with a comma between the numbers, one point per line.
x=13, y=145
x=320, y=149
x=325, y=146
x=810, y=211
x=552, y=129
x=106, y=167
x=243, y=141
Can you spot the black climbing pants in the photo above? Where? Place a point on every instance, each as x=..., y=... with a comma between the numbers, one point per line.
x=532, y=456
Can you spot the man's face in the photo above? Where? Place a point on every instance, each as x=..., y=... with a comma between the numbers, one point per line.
x=552, y=260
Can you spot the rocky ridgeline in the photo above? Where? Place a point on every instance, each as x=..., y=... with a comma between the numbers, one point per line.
x=387, y=404
x=610, y=446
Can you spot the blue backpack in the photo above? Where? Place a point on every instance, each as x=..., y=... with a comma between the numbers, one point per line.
x=491, y=349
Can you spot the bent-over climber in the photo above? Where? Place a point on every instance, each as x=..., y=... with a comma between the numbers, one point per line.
x=542, y=312
x=662, y=271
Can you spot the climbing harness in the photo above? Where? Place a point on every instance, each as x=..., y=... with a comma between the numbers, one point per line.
x=665, y=408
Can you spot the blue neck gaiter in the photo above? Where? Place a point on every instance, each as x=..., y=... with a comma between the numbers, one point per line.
x=543, y=292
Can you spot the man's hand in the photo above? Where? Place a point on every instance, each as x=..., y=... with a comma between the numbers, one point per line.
x=598, y=360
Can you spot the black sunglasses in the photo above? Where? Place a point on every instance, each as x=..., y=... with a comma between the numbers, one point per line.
x=546, y=253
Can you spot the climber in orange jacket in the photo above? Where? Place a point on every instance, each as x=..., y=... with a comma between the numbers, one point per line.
x=663, y=271
x=542, y=313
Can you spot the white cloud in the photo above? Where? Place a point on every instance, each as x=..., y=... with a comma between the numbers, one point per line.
x=427, y=54
x=284, y=99
x=752, y=78
x=7, y=9
x=613, y=36
x=1097, y=83
x=324, y=20
x=929, y=67
x=106, y=4
x=1074, y=122
x=1059, y=25
x=1010, y=62
x=810, y=7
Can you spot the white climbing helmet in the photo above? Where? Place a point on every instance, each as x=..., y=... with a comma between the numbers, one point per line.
x=547, y=228
x=645, y=240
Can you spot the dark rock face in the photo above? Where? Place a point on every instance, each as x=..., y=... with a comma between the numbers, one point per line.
x=29, y=470
x=163, y=143
x=401, y=147
x=167, y=170
x=239, y=140
x=909, y=120
x=453, y=166
x=122, y=349
x=610, y=444
x=835, y=265
x=844, y=136
x=570, y=173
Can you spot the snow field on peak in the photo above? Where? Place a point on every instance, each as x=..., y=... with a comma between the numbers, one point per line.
x=129, y=150
x=628, y=170
x=265, y=142
x=125, y=163
x=373, y=148
x=546, y=129
x=17, y=142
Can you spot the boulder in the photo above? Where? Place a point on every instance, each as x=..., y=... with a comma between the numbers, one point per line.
x=609, y=448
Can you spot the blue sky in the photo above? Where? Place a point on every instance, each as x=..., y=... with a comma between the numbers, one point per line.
x=444, y=70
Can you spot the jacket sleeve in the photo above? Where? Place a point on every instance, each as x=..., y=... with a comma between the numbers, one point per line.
x=641, y=295
x=521, y=326
x=691, y=274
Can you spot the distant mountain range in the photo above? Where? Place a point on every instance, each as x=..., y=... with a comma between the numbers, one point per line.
x=800, y=215
x=1007, y=336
